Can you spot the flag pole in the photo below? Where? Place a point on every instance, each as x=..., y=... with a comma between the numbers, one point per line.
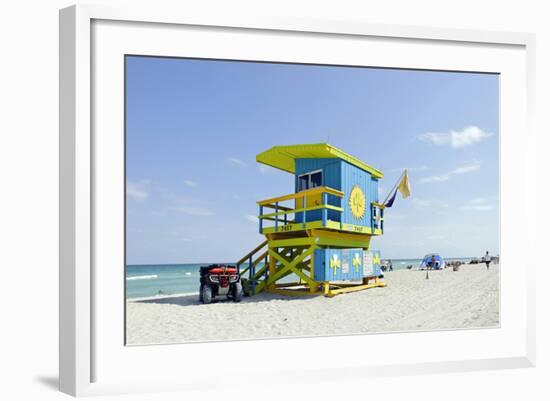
x=395, y=186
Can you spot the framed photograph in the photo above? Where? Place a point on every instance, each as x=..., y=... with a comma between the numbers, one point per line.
x=257, y=191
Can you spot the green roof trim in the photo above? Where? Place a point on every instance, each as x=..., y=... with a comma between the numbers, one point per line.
x=283, y=157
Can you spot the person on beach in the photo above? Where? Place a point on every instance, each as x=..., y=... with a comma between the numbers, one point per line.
x=390, y=266
x=429, y=266
x=487, y=259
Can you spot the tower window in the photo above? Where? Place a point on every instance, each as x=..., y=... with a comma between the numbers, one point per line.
x=310, y=180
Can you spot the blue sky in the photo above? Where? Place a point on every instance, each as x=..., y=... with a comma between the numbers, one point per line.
x=194, y=128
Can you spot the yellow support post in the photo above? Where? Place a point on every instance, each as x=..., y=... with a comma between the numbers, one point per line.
x=326, y=288
x=359, y=287
x=271, y=270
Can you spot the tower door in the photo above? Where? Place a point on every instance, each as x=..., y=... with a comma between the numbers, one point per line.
x=306, y=181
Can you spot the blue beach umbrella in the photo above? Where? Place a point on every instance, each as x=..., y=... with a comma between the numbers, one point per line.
x=438, y=264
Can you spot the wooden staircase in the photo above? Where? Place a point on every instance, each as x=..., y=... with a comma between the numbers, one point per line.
x=256, y=280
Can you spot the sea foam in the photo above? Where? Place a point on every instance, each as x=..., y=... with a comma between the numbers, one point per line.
x=146, y=277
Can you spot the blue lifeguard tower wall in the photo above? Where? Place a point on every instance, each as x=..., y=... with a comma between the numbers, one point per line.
x=343, y=176
x=345, y=264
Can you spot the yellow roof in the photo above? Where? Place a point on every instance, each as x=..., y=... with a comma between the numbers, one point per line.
x=282, y=157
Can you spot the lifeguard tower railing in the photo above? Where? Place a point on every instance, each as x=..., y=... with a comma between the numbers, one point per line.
x=285, y=218
x=276, y=217
x=312, y=221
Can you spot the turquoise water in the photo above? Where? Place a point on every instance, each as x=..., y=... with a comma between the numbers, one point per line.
x=399, y=264
x=150, y=280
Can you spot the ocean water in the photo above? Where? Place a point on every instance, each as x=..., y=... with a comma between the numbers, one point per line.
x=399, y=264
x=150, y=280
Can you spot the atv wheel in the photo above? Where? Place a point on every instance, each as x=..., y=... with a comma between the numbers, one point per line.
x=206, y=294
x=237, y=292
x=200, y=293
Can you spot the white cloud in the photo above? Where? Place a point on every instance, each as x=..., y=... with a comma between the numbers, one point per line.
x=426, y=203
x=421, y=203
x=434, y=178
x=237, y=161
x=467, y=168
x=190, y=183
x=409, y=169
x=251, y=217
x=456, y=139
x=479, y=208
x=136, y=190
x=263, y=168
x=479, y=205
x=393, y=216
x=464, y=169
x=194, y=210
x=477, y=201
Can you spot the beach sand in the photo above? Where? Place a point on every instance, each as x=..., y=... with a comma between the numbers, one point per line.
x=468, y=298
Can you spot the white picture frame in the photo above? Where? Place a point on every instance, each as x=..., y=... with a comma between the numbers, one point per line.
x=83, y=328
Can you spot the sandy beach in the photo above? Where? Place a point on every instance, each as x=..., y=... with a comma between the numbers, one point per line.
x=468, y=298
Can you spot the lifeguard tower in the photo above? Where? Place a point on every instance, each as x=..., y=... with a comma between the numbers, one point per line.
x=320, y=234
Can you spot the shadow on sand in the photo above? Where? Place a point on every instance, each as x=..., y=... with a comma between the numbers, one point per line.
x=193, y=299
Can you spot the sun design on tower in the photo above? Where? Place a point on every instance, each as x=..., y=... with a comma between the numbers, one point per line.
x=357, y=202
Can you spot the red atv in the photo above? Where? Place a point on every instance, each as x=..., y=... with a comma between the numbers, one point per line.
x=219, y=280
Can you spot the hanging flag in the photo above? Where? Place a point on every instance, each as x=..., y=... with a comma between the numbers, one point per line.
x=389, y=203
x=404, y=186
